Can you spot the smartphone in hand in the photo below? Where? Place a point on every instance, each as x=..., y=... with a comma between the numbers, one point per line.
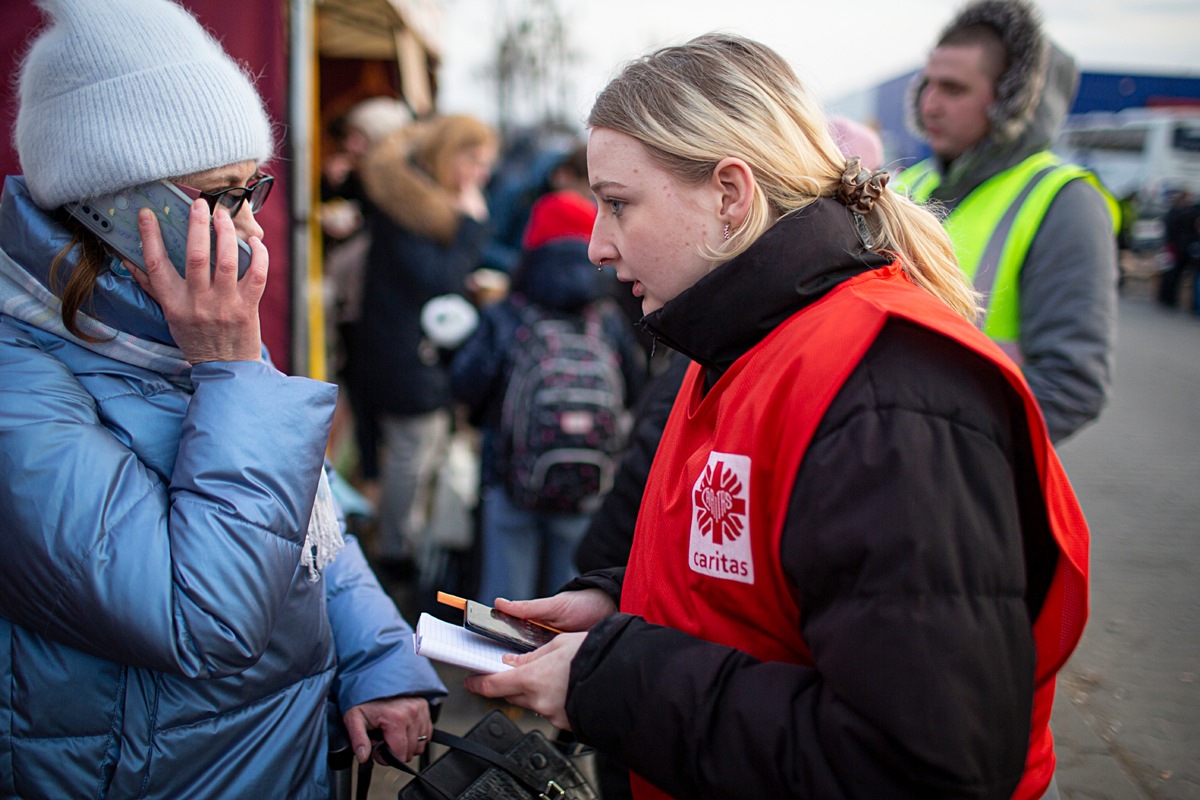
x=522, y=634
x=113, y=218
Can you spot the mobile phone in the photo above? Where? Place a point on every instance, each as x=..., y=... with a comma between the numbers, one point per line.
x=113, y=218
x=523, y=634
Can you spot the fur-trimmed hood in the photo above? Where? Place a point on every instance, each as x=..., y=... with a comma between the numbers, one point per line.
x=1033, y=95
x=1019, y=88
x=405, y=192
x=406, y=174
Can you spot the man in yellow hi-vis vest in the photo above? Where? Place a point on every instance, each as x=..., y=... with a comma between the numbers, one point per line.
x=1036, y=235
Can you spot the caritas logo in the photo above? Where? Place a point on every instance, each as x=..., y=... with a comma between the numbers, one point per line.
x=720, y=540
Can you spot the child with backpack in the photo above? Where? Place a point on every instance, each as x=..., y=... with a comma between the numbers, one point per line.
x=548, y=376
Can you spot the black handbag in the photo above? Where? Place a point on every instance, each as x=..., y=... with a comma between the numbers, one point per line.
x=496, y=760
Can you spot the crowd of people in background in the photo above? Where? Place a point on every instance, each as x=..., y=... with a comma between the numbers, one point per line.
x=1181, y=227
x=432, y=297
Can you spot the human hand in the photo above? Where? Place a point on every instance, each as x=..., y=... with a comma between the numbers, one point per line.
x=566, y=611
x=486, y=286
x=211, y=314
x=337, y=167
x=470, y=201
x=402, y=720
x=340, y=218
x=538, y=680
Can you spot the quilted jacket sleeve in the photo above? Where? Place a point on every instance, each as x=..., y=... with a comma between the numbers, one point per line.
x=99, y=552
x=374, y=643
x=1069, y=310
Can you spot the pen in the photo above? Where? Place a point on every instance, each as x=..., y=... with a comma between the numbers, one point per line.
x=454, y=601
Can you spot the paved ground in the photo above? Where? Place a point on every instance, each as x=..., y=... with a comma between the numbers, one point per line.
x=1127, y=716
x=1128, y=709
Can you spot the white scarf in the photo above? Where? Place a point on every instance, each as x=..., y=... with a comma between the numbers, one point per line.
x=24, y=298
x=324, y=539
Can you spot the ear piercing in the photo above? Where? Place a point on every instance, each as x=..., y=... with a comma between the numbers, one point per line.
x=726, y=234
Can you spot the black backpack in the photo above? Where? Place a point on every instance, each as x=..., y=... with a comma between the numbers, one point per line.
x=564, y=420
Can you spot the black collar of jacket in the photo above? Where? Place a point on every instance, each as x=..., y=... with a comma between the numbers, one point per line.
x=731, y=309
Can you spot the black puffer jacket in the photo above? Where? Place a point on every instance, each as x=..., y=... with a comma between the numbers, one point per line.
x=918, y=551
x=610, y=533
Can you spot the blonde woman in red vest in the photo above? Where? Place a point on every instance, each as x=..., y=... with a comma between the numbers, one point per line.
x=858, y=563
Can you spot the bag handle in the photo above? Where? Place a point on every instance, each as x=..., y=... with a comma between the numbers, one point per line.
x=547, y=791
x=363, y=782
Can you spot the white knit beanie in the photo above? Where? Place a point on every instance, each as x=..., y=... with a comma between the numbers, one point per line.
x=115, y=93
x=376, y=117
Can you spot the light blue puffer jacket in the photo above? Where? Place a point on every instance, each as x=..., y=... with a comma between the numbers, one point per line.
x=158, y=636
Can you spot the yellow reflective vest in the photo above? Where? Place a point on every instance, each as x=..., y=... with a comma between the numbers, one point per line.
x=993, y=228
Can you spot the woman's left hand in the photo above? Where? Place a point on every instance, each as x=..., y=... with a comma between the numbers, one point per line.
x=538, y=681
x=403, y=721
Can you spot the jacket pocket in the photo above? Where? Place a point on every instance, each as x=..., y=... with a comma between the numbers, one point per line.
x=65, y=710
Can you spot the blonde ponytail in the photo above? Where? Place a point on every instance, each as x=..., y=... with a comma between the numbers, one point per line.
x=915, y=237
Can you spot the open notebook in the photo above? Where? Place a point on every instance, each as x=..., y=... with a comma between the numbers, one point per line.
x=454, y=644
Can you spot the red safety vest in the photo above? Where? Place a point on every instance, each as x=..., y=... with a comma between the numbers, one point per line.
x=705, y=554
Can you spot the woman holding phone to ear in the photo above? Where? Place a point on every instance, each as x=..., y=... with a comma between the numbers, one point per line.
x=179, y=610
x=857, y=564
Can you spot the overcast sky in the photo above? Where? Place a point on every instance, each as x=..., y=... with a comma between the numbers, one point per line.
x=838, y=47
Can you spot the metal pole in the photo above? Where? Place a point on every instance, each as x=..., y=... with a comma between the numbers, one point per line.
x=307, y=357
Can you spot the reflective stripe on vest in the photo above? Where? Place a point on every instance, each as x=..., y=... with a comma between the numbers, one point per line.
x=992, y=229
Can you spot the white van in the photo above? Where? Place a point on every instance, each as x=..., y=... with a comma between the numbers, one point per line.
x=1148, y=151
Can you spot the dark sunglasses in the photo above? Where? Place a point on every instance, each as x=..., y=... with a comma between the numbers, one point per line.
x=233, y=197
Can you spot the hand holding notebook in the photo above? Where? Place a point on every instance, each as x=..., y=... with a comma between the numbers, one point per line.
x=454, y=644
x=486, y=635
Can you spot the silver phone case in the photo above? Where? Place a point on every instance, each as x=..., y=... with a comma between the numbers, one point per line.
x=113, y=218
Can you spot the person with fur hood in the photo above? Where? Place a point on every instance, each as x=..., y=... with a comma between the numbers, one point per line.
x=427, y=235
x=1035, y=234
